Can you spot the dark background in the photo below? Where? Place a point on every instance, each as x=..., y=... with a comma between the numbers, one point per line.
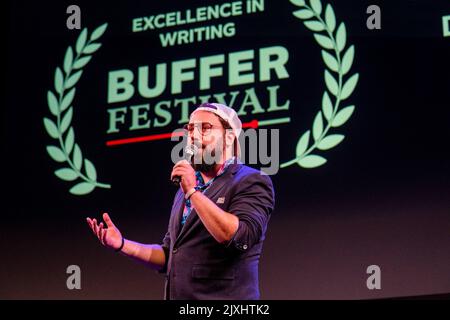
x=382, y=198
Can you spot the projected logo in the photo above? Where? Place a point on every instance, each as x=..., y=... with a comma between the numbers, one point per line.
x=323, y=134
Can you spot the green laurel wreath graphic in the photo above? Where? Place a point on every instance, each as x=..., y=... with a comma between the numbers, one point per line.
x=59, y=103
x=338, y=62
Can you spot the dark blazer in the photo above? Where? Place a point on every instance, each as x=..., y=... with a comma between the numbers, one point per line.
x=199, y=267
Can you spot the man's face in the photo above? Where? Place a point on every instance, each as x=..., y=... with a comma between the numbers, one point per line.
x=208, y=135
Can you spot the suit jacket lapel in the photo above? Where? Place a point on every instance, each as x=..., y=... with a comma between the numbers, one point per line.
x=177, y=212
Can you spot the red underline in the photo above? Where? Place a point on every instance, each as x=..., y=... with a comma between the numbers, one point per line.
x=251, y=124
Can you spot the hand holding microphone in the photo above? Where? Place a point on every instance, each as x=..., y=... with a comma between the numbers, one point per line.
x=183, y=174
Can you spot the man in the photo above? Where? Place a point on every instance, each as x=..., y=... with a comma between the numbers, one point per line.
x=218, y=221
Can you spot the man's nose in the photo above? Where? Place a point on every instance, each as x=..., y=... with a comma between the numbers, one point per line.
x=193, y=139
x=196, y=135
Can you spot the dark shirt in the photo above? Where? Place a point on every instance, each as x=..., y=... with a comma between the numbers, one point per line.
x=199, y=267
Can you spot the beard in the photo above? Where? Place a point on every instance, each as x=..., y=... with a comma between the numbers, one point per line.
x=203, y=167
x=207, y=158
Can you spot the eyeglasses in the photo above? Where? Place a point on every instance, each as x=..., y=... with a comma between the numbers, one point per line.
x=203, y=127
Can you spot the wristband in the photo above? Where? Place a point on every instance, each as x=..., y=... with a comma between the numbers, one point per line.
x=189, y=193
x=121, y=246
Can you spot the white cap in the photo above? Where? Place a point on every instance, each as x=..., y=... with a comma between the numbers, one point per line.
x=229, y=115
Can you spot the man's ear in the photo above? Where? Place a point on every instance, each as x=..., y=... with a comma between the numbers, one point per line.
x=229, y=137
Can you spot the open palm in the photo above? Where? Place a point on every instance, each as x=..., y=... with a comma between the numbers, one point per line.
x=110, y=236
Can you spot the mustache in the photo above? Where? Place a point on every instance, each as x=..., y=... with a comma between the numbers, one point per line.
x=199, y=144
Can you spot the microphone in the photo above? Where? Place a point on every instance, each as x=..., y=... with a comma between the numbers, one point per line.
x=190, y=151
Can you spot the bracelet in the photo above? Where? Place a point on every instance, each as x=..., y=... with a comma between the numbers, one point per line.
x=121, y=246
x=189, y=193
